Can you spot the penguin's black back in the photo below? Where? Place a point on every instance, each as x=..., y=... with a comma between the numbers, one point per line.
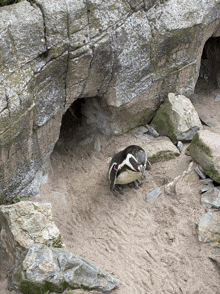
x=121, y=156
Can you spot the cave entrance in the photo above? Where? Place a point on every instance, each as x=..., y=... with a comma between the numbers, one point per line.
x=209, y=75
x=83, y=123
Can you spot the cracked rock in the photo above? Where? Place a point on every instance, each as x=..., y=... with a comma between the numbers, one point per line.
x=56, y=269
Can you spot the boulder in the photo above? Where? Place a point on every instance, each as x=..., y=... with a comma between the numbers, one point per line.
x=44, y=269
x=177, y=118
x=205, y=150
x=26, y=223
x=160, y=149
x=208, y=228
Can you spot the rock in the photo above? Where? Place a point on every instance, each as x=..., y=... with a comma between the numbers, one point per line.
x=207, y=188
x=217, y=98
x=177, y=119
x=205, y=150
x=44, y=269
x=200, y=172
x=141, y=130
x=206, y=181
x=154, y=194
x=208, y=228
x=160, y=149
x=211, y=198
x=144, y=137
x=26, y=223
x=207, y=120
x=152, y=131
x=180, y=146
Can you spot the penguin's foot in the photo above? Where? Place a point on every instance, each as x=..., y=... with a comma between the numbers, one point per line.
x=135, y=184
x=118, y=190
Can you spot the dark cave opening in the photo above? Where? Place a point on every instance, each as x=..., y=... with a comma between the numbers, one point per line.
x=209, y=75
x=82, y=123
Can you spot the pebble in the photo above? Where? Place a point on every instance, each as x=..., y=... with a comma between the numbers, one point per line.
x=217, y=98
x=200, y=172
x=154, y=194
x=180, y=146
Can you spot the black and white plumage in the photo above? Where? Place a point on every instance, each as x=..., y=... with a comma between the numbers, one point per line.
x=126, y=167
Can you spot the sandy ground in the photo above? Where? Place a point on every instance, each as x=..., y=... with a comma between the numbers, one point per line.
x=150, y=248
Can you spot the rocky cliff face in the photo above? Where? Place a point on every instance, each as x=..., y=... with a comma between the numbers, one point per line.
x=129, y=54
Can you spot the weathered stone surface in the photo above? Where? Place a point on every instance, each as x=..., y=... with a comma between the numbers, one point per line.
x=180, y=146
x=211, y=198
x=160, y=149
x=207, y=188
x=46, y=269
x=205, y=150
x=207, y=120
x=26, y=223
x=154, y=194
x=208, y=228
x=130, y=54
x=177, y=118
x=200, y=172
x=152, y=131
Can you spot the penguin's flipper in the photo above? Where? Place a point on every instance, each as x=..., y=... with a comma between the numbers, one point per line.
x=112, y=176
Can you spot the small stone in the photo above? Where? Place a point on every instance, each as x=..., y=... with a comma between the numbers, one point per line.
x=211, y=198
x=154, y=194
x=206, y=181
x=152, y=131
x=200, y=172
x=207, y=120
x=206, y=188
x=141, y=130
x=180, y=146
x=144, y=137
x=217, y=98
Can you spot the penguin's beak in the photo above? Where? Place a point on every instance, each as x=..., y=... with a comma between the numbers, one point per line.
x=142, y=169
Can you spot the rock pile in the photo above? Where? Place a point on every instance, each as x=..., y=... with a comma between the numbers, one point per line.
x=33, y=241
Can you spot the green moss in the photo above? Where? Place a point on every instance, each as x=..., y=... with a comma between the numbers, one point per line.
x=213, y=173
x=163, y=123
x=163, y=156
x=196, y=143
x=58, y=243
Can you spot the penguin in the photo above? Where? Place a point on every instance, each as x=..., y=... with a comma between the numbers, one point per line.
x=126, y=167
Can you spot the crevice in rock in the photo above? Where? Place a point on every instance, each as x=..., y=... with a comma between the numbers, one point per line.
x=44, y=23
x=89, y=70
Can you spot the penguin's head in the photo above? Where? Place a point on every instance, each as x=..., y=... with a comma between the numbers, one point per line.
x=141, y=157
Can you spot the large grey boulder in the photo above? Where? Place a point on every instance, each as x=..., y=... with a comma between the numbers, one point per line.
x=177, y=118
x=26, y=223
x=128, y=54
x=205, y=150
x=46, y=269
x=208, y=228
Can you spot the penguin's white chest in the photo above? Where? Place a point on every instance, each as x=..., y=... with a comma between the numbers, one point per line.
x=127, y=177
